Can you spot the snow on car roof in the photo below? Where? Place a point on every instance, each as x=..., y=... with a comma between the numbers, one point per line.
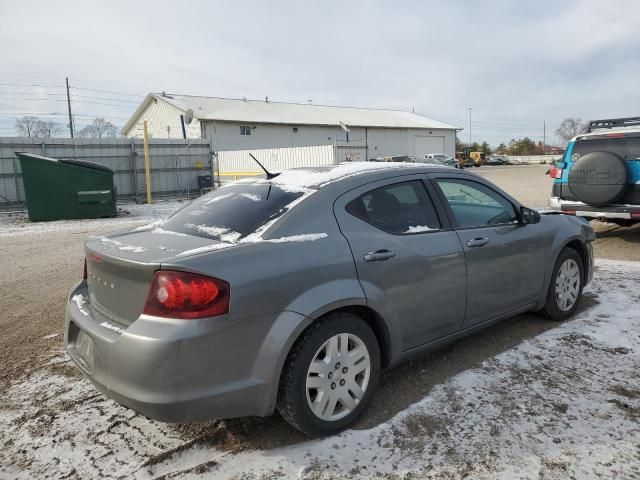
x=320, y=176
x=317, y=177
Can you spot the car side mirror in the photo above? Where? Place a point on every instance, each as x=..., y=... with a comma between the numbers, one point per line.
x=528, y=215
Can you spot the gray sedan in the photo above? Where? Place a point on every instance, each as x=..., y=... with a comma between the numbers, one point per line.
x=294, y=293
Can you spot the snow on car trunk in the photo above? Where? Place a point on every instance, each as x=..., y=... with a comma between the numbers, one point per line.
x=120, y=268
x=563, y=404
x=121, y=265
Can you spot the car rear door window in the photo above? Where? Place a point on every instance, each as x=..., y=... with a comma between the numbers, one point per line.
x=475, y=205
x=231, y=213
x=400, y=208
x=633, y=146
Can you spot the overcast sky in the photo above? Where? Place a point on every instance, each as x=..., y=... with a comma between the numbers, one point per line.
x=516, y=64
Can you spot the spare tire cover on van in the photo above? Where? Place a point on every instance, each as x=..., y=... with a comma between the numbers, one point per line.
x=598, y=178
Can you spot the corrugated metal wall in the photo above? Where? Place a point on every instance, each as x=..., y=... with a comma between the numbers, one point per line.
x=175, y=164
x=163, y=121
x=233, y=163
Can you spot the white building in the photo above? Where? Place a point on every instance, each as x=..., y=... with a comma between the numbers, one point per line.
x=240, y=124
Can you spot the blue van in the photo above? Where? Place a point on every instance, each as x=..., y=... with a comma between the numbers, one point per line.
x=598, y=176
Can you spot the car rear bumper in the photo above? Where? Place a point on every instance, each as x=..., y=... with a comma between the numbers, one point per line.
x=181, y=370
x=620, y=212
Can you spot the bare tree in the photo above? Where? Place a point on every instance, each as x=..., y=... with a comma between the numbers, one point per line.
x=99, y=128
x=27, y=126
x=47, y=128
x=569, y=128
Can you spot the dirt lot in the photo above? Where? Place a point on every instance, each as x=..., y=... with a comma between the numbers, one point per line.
x=41, y=262
x=530, y=185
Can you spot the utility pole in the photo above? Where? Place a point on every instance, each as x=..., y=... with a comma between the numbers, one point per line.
x=147, y=163
x=544, y=137
x=469, y=127
x=69, y=107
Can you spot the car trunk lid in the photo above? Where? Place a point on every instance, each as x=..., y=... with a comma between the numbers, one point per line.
x=120, y=267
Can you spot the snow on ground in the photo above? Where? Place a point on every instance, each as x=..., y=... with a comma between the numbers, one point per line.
x=565, y=404
x=129, y=214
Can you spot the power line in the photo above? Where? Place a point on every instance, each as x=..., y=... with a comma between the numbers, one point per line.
x=75, y=101
x=104, y=104
x=73, y=96
x=30, y=85
x=108, y=91
x=446, y=118
x=128, y=86
x=55, y=114
x=34, y=100
x=33, y=93
x=103, y=98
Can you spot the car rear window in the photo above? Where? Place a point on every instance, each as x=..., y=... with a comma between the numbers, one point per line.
x=627, y=147
x=233, y=212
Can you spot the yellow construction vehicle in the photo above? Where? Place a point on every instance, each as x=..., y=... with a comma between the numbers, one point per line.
x=469, y=158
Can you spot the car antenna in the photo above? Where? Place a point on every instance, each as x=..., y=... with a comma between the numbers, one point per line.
x=267, y=172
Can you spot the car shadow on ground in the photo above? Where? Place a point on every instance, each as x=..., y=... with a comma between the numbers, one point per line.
x=400, y=387
x=606, y=230
x=615, y=242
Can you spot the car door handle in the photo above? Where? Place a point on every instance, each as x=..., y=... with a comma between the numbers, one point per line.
x=478, y=242
x=379, y=255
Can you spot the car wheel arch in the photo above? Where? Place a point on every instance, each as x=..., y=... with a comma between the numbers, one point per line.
x=575, y=242
x=368, y=315
x=580, y=247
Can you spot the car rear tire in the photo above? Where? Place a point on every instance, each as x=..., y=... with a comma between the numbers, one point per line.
x=330, y=375
x=565, y=287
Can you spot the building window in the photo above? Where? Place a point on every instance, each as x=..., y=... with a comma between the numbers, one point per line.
x=245, y=130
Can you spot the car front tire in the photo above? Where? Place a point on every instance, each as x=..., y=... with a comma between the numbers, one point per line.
x=565, y=287
x=330, y=375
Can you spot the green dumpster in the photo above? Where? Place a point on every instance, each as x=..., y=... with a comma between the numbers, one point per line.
x=60, y=189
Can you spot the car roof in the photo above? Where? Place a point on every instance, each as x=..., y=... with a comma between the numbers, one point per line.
x=318, y=177
x=606, y=132
x=315, y=178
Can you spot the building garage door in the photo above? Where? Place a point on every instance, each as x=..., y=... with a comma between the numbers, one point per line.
x=424, y=145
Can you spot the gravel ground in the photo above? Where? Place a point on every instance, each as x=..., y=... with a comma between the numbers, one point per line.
x=563, y=404
x=42, y=261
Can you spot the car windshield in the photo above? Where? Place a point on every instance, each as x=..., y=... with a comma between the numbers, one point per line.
x=430, y=161
x=234, y=212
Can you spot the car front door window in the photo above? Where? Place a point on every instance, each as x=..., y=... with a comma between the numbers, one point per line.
x=474, y=205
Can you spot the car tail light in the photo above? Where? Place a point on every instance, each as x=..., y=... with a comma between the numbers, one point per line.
x=185, y=295
x=84, y=270
x=555, y=172
x=635, y=215
x=569, y=212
